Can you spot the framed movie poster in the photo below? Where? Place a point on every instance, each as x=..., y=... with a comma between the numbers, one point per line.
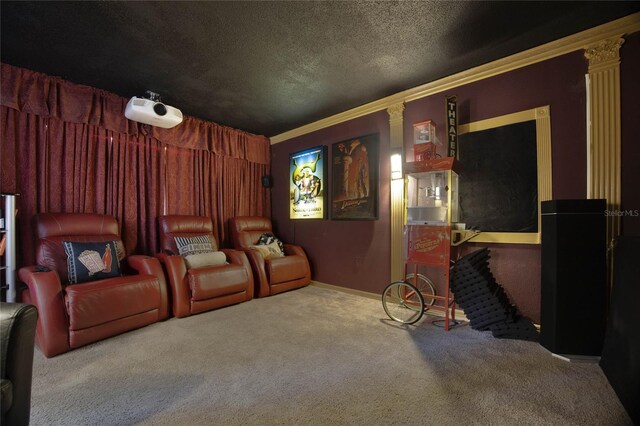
x=307, y=180
x=354, y=188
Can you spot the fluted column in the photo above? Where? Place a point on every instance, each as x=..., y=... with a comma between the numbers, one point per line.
x=603, y=168
x=396, y=122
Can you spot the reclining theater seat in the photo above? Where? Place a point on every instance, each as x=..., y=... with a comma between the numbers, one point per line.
x=223, y=278
x=273, y=275
x=73, y=315
x=16, y=355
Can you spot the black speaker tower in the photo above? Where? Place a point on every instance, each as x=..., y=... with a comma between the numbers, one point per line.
x=621, y=351
x=574, y=277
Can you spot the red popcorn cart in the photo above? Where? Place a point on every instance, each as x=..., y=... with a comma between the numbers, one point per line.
x=431, y=230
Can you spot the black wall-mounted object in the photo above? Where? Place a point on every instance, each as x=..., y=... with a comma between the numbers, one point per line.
x=499, y=178
x=621, y=352
x=574, y=277
x=266, y=181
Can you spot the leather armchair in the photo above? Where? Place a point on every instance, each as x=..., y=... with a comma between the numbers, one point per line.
x=196, y=290
x=18, y=323
x=74, y=315
x=275, y=275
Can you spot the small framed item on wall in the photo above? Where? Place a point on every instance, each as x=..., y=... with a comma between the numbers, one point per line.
x=307, y=179
x=354, y=188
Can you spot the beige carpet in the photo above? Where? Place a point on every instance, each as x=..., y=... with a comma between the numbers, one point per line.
x=315, y=356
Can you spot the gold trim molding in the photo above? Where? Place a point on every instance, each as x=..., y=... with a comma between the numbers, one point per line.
x=572, y=43
x=604, y=131
x=396, y=123
x=396, y=134
x=542, y=117
x=397, y=226
x=604, y=52
x=396, y=112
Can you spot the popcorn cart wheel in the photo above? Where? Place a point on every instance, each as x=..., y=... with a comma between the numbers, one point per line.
x=403, y=302
x=407, y=301
x=424, y=285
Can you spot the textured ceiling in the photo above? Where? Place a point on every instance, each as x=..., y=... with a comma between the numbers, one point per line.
x=268, y=67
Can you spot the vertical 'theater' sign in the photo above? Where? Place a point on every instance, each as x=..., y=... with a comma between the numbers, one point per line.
x=452, y=124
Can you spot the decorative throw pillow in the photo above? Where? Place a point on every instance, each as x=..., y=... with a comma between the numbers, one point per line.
x=202, y=260
x=91, y=261
x=269, y=251
x=194, y=245
x=269, y=238
x=120, y=251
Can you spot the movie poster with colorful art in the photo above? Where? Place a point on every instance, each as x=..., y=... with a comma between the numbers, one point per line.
x=354, y=187
x=307, y=180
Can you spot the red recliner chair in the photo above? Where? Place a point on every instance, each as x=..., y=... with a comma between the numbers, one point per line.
x=197, y=288
x=273, y=275
x=74, y=315
x=17, y=330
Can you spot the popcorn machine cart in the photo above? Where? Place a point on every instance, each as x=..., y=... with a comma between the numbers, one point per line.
x=431, y=230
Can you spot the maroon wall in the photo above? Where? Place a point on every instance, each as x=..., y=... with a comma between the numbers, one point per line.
x=558, y=82
x=630, y=107
x=356, y=254
x=353, y=254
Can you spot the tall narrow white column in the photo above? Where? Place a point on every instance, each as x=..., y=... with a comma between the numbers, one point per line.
x=396, y=122
x=603, y=180
x=604, y=170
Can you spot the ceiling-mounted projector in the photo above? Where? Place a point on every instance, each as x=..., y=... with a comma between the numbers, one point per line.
x=151, y=111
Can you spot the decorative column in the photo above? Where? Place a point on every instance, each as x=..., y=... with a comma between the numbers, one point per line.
x=396, y=122
x=603, y=154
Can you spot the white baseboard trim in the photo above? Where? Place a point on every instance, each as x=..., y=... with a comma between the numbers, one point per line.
x=577, y=358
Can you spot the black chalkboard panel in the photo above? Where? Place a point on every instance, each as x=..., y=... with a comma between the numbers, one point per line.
x=498, y=179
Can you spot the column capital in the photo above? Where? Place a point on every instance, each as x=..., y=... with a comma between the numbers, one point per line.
x=396, y=111
x=604, y=52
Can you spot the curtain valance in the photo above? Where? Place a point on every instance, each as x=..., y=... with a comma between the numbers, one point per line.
x=52, y=97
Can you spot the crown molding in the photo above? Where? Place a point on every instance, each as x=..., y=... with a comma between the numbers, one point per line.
x=579, y=41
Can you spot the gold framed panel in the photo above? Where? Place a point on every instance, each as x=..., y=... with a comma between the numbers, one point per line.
x=542, y=117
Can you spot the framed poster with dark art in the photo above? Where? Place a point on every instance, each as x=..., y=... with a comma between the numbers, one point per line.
x=354, y=186
x=307, y=180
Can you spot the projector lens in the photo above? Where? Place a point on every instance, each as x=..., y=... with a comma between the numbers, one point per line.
x=160, y=109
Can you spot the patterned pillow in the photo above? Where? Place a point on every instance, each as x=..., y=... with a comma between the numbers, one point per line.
x=120, y=250
x=268, y=238
x=194, y=245
x=269, y=251
x=91, y=261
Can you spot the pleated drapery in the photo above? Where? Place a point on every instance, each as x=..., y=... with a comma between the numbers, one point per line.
x=69, y=148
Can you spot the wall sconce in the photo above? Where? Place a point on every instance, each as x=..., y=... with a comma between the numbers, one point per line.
x=396, y=166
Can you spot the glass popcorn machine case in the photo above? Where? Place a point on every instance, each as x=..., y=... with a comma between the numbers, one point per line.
x=431, y=191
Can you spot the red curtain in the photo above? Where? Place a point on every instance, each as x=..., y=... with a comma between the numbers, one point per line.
x=135, y=192
x=68, y=148
x=206, y=184
x=52, y=97
x=17, y=177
